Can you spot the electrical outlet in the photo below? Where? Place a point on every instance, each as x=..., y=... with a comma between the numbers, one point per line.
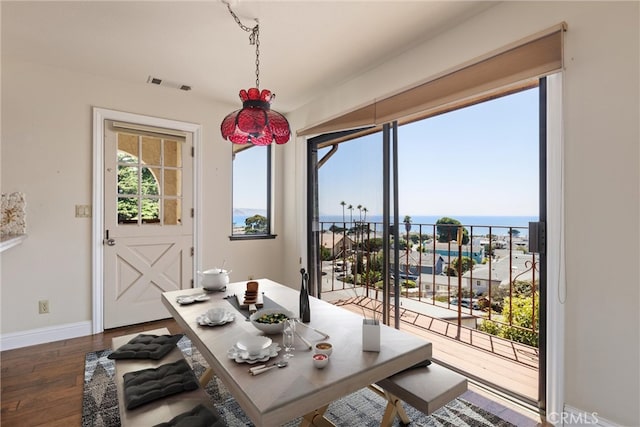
x=43, y=306
x=83, y=211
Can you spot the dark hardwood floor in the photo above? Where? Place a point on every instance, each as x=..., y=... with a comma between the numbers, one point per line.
x=42, y=385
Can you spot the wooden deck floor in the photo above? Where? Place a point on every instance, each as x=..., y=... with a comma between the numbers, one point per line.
x=499, y=363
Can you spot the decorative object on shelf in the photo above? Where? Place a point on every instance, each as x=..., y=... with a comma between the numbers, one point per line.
x=13, y=214
x=370, y=335
x=305, y=309
x=255, y=123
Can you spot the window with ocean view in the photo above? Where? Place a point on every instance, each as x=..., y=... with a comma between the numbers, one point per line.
x=251, y=209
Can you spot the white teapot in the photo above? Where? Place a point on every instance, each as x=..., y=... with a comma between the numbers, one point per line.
x=215, y=279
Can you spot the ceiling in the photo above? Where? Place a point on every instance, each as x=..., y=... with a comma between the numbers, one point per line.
x=306, y=46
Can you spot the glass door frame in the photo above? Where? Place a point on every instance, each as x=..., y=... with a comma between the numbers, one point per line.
x=391, y=222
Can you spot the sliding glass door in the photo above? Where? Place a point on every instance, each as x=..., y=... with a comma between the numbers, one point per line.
x=427, y=221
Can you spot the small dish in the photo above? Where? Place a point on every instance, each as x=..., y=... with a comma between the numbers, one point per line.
x=190, y=299
x=185, y=299
x=320, y=360
x=241, y=356
x=204, y=320
x=253, y=344
x=323, y=348
x=217, y=314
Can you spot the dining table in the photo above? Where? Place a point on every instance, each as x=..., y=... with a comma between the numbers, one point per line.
x=298, y=390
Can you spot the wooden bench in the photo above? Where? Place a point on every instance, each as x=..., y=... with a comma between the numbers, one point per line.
x=426, y=389
x=163, y=409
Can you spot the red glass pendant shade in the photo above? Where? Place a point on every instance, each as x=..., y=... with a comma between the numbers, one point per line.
x=256, y=123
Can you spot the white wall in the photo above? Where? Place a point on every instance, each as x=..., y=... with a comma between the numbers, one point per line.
x=601, y=170
x=47, y=154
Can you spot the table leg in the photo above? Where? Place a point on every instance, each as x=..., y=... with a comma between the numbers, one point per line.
x=206, y=377
x=316, y=418
x=394, y=407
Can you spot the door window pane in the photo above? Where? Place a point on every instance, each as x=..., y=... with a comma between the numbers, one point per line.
x=127, y=179
x=172, y=153
x=149, y=181
x=172, y=182
x=149, y=186
x=128, y=144
x=171, y=212
x=150, y=210
x=127, y=210
x=151, y=154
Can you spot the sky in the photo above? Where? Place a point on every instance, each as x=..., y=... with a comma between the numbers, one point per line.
x=249, y=177
x=480, y=160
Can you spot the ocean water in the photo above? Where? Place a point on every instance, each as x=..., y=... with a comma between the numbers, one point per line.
x=500, y=224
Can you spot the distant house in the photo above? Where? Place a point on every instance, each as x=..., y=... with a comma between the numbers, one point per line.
x=502, y=272
x=474, y=251
x=338, y=244
x=421, y=263
x=495, y=243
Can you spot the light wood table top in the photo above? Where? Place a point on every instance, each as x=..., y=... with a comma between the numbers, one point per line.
x=281, y=395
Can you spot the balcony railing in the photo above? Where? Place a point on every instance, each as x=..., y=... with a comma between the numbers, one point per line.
x=474, y=276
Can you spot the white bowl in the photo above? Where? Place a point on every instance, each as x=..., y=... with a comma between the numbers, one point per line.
x=216, y=315
x=320, y=360
x=323, y=348
x=253, y=344
x=269, y=328
x=215, y=279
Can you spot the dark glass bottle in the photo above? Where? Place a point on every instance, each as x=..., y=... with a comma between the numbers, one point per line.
x=305, y=309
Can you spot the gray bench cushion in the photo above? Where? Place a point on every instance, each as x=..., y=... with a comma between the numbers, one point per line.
x=147, y=347
x=426, y=388
x=200, y=416
x=147, y=385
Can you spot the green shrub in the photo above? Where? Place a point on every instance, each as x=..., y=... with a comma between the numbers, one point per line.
x=490, y=327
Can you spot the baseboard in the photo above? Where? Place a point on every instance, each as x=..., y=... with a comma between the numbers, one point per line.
x=576, y=417
x=44, y=335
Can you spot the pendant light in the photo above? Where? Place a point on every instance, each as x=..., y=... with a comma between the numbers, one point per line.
x=255, y=123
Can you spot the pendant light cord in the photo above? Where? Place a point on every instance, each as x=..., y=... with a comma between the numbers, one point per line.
x=254, y=39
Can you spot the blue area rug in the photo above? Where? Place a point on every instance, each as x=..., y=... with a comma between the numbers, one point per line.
x=362, y=408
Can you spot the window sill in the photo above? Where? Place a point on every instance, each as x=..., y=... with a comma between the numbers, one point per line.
x=11, y=240
x=252, y=236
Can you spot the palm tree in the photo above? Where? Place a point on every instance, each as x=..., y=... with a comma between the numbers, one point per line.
x=407, y=227
x=360, y=210
x=365, y=210
x=407, y=223
x=350, y=207
x=343, y=203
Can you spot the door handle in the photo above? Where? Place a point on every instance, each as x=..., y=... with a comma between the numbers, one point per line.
x=107, y=241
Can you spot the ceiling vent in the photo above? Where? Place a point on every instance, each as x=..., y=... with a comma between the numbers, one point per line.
x=167, y=83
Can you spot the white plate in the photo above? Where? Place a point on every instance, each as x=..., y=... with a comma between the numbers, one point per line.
x=203, y=320
x=241, y=356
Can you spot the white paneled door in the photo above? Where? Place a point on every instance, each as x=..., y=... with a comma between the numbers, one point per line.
x=148, y=232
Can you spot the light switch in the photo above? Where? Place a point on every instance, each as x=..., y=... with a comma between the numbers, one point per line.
x=83, y=211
